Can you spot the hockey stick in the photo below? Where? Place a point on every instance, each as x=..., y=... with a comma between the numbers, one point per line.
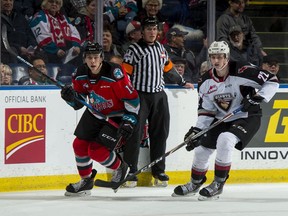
x=50, y=80
x=116, y=185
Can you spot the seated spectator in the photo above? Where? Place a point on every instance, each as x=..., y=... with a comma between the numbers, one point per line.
x=204, y=67
x=85, y=22
x=175, y=48
x=109, y=48
x=151, y=8
x=19, y=35
x=179, y=65
x=80, y=5
x=123, y=12
x=55, y=34
x=6, y=75
x=271, y=64
x=234, y=16
x=241, y=50
x=34, y=77
x=116, y=59
x=133, y=34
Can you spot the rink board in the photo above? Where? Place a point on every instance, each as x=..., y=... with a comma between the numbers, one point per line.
x=37, y=133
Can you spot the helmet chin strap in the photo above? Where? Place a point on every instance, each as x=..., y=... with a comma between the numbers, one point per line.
x=223, y=66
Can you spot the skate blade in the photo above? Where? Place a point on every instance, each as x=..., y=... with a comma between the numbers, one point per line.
x=158, y=183
x=186, y=195
x=130, y=184
x=79, y=194
x=204, y=198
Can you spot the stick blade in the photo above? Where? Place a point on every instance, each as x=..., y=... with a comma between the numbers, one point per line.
x=106, y=184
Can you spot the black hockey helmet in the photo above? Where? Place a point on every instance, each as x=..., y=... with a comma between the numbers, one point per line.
x=150, y=21
x=93, y=48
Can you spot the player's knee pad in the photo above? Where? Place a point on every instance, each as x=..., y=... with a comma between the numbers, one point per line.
x=226, y=141
x=80, y=147
x=98, y=152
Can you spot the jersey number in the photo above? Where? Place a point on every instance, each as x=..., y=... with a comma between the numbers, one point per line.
x=263, y=76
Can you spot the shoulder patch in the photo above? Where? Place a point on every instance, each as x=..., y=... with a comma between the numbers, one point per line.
x=118, y=74
x=77, y=21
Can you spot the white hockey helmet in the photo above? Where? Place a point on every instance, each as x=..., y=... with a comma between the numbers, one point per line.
x=219, y=47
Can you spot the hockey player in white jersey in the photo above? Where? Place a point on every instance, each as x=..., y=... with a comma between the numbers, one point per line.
x=221, y=90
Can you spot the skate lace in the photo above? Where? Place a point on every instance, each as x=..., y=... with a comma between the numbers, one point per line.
x=213, y=187
x=79, y=184
x=117, y=175
x=190, y=186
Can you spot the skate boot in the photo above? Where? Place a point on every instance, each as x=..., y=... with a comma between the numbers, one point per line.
x=121, y=172
x=161, y=180
x=83, y=187
x=132, y=183
x=212, y=191
x=189, y=189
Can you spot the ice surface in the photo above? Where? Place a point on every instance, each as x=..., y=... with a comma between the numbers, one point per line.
x=246, y=200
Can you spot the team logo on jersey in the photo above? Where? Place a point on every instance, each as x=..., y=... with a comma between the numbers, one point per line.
x=212, y=89
x=224, y=101
x=99, y=102
x=118, y=74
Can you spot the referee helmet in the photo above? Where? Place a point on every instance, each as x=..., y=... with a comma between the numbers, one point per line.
x=149, y=21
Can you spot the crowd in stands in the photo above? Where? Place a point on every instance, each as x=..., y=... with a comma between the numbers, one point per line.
x=57, y=31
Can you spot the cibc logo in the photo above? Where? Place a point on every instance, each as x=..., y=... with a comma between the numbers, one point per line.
x=25, y=135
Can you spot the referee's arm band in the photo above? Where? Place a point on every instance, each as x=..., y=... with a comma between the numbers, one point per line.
x=128, y=68
x=168, y=66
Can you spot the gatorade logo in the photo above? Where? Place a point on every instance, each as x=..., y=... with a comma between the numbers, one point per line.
x=277, y=131
x=25, y=135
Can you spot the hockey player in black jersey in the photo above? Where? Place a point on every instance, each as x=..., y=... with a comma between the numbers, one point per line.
x=221, y=90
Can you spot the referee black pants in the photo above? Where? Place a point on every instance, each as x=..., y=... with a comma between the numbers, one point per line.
x=154, y=107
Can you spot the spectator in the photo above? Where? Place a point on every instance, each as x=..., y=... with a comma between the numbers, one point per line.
x=6, y=75
x=271, y=64
x=234, y=16
x=133, y=34
x=146, y=61
x=85, y=22
x=123, y=12
x=179, y=65
x=204, y=67
x=151, y=8
x=19, y=34
x=34, y=77
x=175, y=48
x=55, y=34
x=80, y=5
x=109, y=47
x=241, y=50
x=116, y=59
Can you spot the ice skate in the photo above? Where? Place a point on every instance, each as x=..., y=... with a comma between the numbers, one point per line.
x=83, y=187
x=120, y=174
x=212, y=191
x=189, y=189
x=161, y=180
x=131, y=183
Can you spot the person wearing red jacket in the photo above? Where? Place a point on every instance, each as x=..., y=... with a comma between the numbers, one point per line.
x=109, y=92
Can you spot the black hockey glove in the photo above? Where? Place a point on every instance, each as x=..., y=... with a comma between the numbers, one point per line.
x=250, y=102
x=68, y=93
x=192, y=143
x=125, y=129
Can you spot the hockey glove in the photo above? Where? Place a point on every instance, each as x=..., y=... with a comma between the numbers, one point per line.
x=192, y=143
x=68, y=93
x=251, y=102
x=125, y=129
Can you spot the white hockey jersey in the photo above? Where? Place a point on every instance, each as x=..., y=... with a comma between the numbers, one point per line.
x=221, y=96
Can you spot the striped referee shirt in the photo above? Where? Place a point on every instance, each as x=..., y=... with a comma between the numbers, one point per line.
x=146, y=64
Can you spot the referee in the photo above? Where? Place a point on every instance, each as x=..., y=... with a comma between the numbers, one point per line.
x=145, y=61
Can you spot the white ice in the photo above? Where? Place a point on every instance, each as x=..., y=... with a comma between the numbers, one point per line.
x=246, y=200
